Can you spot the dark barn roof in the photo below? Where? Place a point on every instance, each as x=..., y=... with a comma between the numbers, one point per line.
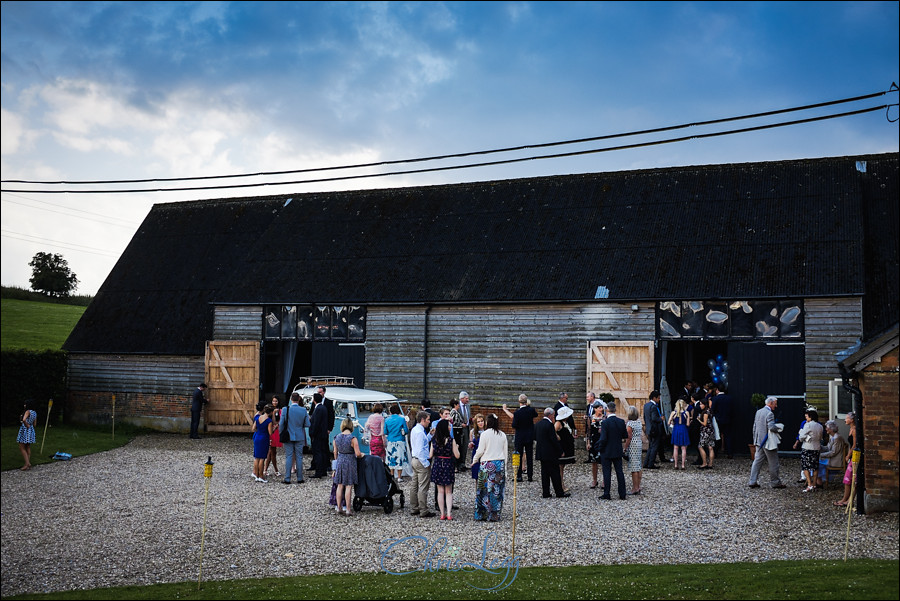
x=754, y=230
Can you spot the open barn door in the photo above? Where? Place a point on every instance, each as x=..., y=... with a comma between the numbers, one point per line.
x=232, y=374
x=622, y=368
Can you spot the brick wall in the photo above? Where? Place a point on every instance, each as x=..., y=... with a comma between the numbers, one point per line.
x=161, y=411
x=880, y=385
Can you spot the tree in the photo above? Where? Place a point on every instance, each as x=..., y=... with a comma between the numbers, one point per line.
x=51, y=275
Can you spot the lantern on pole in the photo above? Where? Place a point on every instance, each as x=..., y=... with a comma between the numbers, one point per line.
x=46, y=422
x=207, y=474
x=516, y=462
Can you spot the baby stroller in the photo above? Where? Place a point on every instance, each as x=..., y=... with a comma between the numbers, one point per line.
x=376, y=485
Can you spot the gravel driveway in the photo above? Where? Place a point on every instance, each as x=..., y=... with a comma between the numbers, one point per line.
x=133, y=516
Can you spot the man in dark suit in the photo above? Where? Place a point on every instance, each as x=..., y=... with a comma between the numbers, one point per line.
x=564, y=402
x=523, y=425
x=197, y=403
x=329, y=406
x=653, y=426
x=549, y=450
x=318, y=431
x=612, y=433
x=723, y=411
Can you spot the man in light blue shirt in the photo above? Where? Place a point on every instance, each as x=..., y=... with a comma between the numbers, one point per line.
x=294, y=421
x=420, y=441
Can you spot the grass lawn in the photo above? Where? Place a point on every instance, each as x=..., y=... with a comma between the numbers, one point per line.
x=37, y=326
x=78, y=441
x=856, y=579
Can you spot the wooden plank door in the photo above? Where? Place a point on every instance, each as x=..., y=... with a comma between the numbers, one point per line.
x=232, y=374
x=622, y=368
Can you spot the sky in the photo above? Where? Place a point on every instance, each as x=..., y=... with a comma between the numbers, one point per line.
x=99, y=91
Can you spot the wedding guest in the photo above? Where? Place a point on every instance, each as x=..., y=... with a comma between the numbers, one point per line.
x=850, y=420
x=27, y=435
x=395, y=429
x=707, y=435
x=262, y=429
x=566, y=435
x=375, y=428
x=810, y=439
x=274, y=440
x=346, y=452
x=634, y=446
x=523, y=425
x=593, y=442
x=474, y=438
x=444, y=454
x=492, y=450
x=834, y=453
x=679, y=420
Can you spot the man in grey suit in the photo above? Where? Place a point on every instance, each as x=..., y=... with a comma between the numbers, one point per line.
x=294, y=421
x=763, y=427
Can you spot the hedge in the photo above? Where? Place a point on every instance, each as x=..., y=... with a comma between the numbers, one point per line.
x=35, y=375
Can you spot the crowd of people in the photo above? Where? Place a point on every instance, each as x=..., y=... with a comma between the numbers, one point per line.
x=432, y=447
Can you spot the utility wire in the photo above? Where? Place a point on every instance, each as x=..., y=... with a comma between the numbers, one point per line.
x=73, y=216
x=58, y=244
x=469, y=165
x=464, y=154
x=127, y=221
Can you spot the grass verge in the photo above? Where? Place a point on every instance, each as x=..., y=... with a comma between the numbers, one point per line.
x=855, y=579
x=76, y=440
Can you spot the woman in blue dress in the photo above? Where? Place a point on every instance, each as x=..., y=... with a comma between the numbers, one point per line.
x=444, y=454
x=26, y=436
x=263, y=426
x=679, y=421
x=346, y=451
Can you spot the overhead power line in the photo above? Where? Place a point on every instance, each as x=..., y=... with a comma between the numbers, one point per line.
x=468, y=154
x=66, y=245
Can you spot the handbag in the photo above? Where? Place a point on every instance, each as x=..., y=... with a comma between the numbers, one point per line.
x=285, y=435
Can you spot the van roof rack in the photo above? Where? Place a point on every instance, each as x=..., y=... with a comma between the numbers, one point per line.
x=327, y=381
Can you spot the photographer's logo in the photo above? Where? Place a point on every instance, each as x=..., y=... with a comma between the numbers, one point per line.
x=411, y=554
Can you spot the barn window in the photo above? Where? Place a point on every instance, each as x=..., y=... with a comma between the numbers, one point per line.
x=315, y=322
x=729, y=320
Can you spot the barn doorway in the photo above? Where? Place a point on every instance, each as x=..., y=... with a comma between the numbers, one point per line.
x=285, y=362
x=770, y=368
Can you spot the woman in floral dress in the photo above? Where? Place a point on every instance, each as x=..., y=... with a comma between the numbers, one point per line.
x=489, y=492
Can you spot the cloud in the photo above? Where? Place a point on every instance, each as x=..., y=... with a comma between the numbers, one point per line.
x=12, y=132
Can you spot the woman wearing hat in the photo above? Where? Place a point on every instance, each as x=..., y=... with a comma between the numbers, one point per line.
x=567, y=440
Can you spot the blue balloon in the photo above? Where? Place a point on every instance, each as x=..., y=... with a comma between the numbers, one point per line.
x=718, y=369
x=719, y=358
x=716, y=379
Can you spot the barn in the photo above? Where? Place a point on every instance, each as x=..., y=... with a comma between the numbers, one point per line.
x=618, y=282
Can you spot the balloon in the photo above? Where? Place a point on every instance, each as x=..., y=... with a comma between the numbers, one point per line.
x=719, y=358
x=718, y=369
x=715, y=379
x=711, y=363
x=725, y=365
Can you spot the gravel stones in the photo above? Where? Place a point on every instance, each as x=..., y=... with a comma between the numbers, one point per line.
x=133, y=516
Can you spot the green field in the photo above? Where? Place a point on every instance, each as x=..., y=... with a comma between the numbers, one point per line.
x=37, y=326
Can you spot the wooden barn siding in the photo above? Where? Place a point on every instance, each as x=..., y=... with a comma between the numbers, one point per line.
x=237, y=323
x=494, y=352
x=146, y=374
x=832, y=325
